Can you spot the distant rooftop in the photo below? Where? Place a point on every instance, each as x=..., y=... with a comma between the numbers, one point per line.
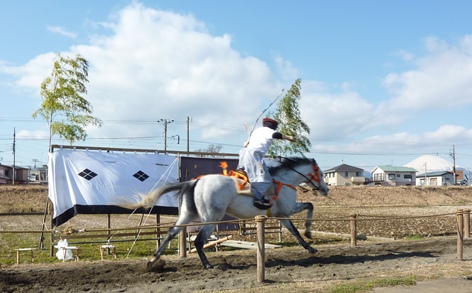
x=344, y=168
x=390, y=168
x=434, y=174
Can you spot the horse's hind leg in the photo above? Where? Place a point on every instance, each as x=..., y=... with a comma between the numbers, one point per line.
x=170, y=235
x=199, y=242
x=289, y=225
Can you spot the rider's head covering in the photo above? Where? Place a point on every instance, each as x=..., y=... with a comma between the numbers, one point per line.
x=269, y=122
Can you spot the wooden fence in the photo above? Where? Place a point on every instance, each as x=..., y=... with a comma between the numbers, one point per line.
x=462, y=218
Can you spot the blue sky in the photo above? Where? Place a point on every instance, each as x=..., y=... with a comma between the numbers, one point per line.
x=383, y=82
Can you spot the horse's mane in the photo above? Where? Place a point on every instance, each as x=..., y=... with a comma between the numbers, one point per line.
x=289, y=163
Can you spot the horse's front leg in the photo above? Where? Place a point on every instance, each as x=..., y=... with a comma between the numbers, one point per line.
x=301, y=206
x=289, y=225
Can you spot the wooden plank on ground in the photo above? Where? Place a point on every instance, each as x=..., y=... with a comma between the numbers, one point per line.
x=247, y=245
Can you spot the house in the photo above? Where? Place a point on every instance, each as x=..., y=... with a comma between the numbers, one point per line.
x=6, y=174
x=435, y=178
x=429, y=163
x=38, y=175
x=3, y=175
x=394, y=175
x=344, y=175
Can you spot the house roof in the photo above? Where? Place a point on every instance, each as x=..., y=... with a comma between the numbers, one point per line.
x=11, y=167
x=434, y=174
x=344, y=168
x=390, y=168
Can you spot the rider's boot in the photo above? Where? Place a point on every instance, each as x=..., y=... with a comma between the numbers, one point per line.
x=262, y=203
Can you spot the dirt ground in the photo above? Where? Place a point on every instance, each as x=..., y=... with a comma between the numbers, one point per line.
x=288, y=269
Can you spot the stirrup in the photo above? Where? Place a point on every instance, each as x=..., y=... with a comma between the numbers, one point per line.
x=262, y=204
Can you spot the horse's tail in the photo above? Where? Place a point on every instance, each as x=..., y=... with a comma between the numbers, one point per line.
x=147, y=201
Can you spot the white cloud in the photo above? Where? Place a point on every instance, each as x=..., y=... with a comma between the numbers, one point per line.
x=336, y=115
x=159, y=64
x=454, y=133
x=61, y=31
x=285, y=68
x=34, y=71
x=430, y=141
x=441, y=78
x=27, y=78
x=154, y=64
x=26, y=134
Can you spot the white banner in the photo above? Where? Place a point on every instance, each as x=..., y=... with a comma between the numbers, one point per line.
x=89, y=182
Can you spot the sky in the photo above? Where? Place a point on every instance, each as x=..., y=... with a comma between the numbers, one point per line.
x=382, y=82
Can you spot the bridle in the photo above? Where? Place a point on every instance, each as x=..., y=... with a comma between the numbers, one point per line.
x=315, y=176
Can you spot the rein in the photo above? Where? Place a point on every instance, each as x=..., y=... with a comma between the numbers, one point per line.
x=313, y=176
x=280, y=185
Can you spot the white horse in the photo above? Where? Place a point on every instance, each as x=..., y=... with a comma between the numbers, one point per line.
x=212, y=196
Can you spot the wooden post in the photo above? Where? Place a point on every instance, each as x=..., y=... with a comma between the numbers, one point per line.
x=108, y=226
x=280, y=232
x=183, y=242
x=353, y=223
x=51, y=223
x=466, y=223
x=183, y=233
x=260, y=221
x=41, y=240
x=460, y=234
x=158, y=230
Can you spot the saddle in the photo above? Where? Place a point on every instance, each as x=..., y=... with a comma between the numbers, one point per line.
x=243, y=186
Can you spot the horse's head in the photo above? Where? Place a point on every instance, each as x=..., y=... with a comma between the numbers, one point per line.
x=318, y=178
x=304, y=171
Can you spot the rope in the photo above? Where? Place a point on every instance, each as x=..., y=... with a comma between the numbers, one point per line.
x=236, y=221
x=373, y=218
x=166, y=174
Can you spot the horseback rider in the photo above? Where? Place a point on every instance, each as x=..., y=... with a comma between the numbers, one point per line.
x=251, y=160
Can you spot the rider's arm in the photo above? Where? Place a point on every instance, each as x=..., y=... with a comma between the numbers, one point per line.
x=278, y=135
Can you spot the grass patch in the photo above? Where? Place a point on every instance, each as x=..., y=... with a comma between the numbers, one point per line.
x=367, y=285
x=126, y=247
x=9, y=242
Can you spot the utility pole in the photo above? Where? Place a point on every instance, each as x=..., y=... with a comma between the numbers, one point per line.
x=165, y=121
x=425, y=175
x=453, y=155
x=14, y=168
x=188, y=135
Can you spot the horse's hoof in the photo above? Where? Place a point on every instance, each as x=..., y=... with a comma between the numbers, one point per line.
x=209, y=266
x=312, y=250
x=308, y=235
x=222, y=267
x=155, y=265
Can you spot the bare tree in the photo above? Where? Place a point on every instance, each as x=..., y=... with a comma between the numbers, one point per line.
x=212, y=150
